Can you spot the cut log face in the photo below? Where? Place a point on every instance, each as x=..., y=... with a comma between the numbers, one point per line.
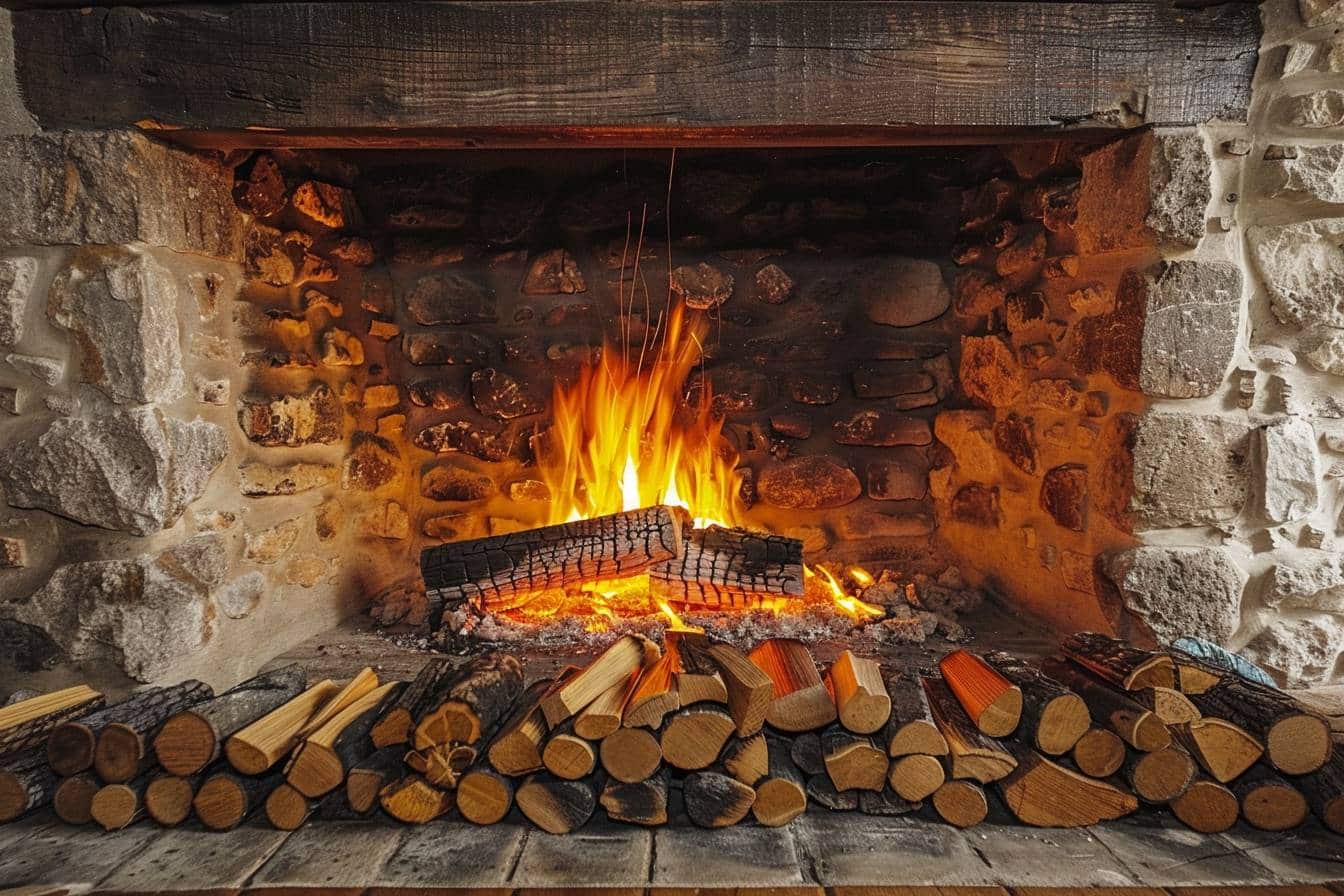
x=502, y=571
x=974, y=754
x=625, y=655
x=749, y=690
x=1053, y=717
x=26, y=782
x=516, y=750
x=631, y=754
x=1207, y=807
x=72, y=746
x=1162, y=775
x=116, y=806
x=1269, y=802
x=421, y=695
x=477, y=699
x=1169, y=705
x=853, y=761
x=916, y=777
x=414, y=800
x=1221, y=748
x=484, y=796
x=654, y=695
x=781, y=793
x=911, y=730
x=556, y=806
x=568, y=756
x=225, y=800
x=287, y=809
x=961, y=804
x=993, y=702
x=320, y=763
x=1099, y=753
x=861, y=700
x=168, y=799
x=801, y=701
x=1119, y=664
x=1041, y=793
x=73, y=799
x=363, y=682
x=1111, y=707
x=730, y=568
x=693, y=738
x=714, y=800
x=603, y=715
x=27, y=723
x=371, y=774
x=1296, y=740
x=263, y=743
x=1194, y=676
x=1324, y=791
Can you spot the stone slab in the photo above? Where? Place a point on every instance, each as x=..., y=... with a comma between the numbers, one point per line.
x=1015, y=854
x=183, y=858
x=454, y=854
x=743, y=856
x=1162, y=852
x=332, y=854
x=617, y=855
x=69, y=856
x=882, y=851
x=1310, y=854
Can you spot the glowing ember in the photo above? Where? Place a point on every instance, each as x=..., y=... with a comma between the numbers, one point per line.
x=851, y=605
x=678, y=624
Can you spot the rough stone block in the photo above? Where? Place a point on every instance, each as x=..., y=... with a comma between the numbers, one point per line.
x=1179, y=187
x=1179, y=591
x=314, y=417
x=1315, y=110
x=450, y=482
x=1113, y=196
x=134, y=470
x=1064, y=496
x=48, y=370
x=990, y=373
x=903, y=475
x=1308, y=580
x=1190, y=333
x=1287, y=471
x=111, y=188
x=17, y=274
x=902, y=292
x=1320, y=12
x=1189, y=469
x=1302, y=650
x=809, y=482
x=13, y=553
x=256, y=480
x=448, y=298
x=1328, y=356
x=876, y=428
x=11, y=399
x=1303, y=269
x=1316, y=171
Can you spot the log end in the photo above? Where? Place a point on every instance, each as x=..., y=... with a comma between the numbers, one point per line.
x=73, y=801
x=1206, y=807
x=168, y=800
x=961, y=804
x=483, y=798
x=286, y=808
x=1064, y=720
x=778, y=802
x=220, y=803
x=185, y=744
x=1299, y=744
x=316, y=770
x=114, y=806
x=70, y=749
x=916, y=778
x=119, y=753
x=13, y=796
x=1000, y=718
x=245, y=758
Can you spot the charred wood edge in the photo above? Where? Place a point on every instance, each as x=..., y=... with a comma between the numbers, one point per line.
x=886, y=802
x=502, y=567
x=1192, y=65
x=730, y=567
x=748, y=758
x=527, y=714
x=481, y=693
x=1324, y=790
x=228, y=713
x=557, y=806
x=1119, y=664
x=1039, y=691
x=716, y=800
x=638, y=802
x=422, y=694
x=24, y=736
x=821, y=791
x=71, y=746
x=1109, y=706
x=909, y=706
x=351, y=745
x=370, y=775
x=26, y=783
x=964, y=740
x=805, y=751
x=783, y=782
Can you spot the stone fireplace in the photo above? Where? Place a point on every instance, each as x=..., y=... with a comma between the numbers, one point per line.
x=254, y=366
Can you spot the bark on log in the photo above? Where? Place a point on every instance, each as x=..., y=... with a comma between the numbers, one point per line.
x=630, y=754
x=638, y=802
x=26, y=782
x=693, y=738
x=259, y=746
x=556, y=806
x=421, y=695
x=886, y=803
x=1119, y=664
x=1193, y=675
x=1099, y=753
x=1053, y=717
x=730, y=568
x=821, y=791
x=320, y=763
x=1161, y=776
x=603, y=716
x=25, y=724
x=916, y=777
x=480, y=697
x=781, y=795
x=853, y=761
x=747, y=759
x=911, y=729
x=1269, y=802
x=805, y=751
x=626, y=654
x=71, y=747
x=503, y=571
x=413, y=800
x=168, y=798
x=695, y=674
x=116, y=806
x=1324, y=791
x=860, y=695
x=1169, y=705
x=516, y=750
x=715, y=800
x=1041, y=793
x=1111, y=707
x=484, y=796
x=1206, y=806
x=190, y=740
x=801, y=701
x=371, y=774
x=1221, y=748
x=123, y=750
x=1296, y=741
x=654, y=695
x=993, y=702
x=961, y=803
x=974, y=754
x=225, y=800
x=73, y=800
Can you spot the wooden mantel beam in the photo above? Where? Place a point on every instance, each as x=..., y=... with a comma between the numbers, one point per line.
x=654, y=65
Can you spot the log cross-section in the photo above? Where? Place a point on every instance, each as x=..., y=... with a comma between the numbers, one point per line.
x=501, y=571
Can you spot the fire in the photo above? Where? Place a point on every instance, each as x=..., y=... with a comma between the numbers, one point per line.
x=852, y=606
x=678, y=624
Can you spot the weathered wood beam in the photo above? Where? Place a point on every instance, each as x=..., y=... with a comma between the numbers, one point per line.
x=656, y=65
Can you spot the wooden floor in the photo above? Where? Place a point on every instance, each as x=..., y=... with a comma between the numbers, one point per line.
x=819, y=851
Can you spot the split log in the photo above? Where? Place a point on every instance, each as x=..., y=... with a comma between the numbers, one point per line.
x=25, y=724
x=1111, y=707
x=73, y=800
x=1099, y=753
x=568, y=756
x=637, y=802
x=911, y=730
x=853, y=761
x=1214, y=663
x=916, y=777
x=1044, y=794
x=1206, y=806
x=749, y=690
x=805, y=751
x=1168, y=704
x=420, y=696
x=117, y=806
x=693, y=738
x=444, y=764
x=484, y=796
x=1296, y=740
x=1221, y=748
x=1323, y=789
x=1053, y=717
x=413, y=800
x=1193, y=675
x=800, y=700
x=260, y=745
x=502, y=571
x=26, y=782
x=554, y=805
x=168, y=798
x=626, y=654
x=695, y=675
x=781, y=793
x=715, y=800
x=355, y=689
x=72, y=746
x=630, y=754
x=225, y=800
x=1119, y=664
x=654, y=695
x=821, y=791
x=477, y=701
x=729, y=568
x=603, y=716
x=993, y=702
x=371, y=774
x=886, y=802
x=961, y=803
x=1162, y=775
x=320, y=762
x=860, y=695
x=516, y=750
x=190, y=740
x=287, y=809
x=973, y=753
x=747, y=759
x=1268, y=802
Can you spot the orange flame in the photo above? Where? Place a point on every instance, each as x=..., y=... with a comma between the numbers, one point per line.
x=851, y=605
x=678, y=624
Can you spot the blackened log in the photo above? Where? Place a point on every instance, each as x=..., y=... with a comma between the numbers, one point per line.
x=556, y=806
x=1119, y=664
x=116, y=740
x=26, y=782
x=639, y=802
x=1324, y=790
x=730, y=568
x=366, y=779
x=479, y=698
x=715, y=800
x=1053, y=717
x=1268, y=801
x=421, y=695
x=1296, y=740
x=781, y=795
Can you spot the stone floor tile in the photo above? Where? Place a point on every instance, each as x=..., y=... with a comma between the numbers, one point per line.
x=454, y=854
x=887, y=851
x=74, y=856
x=346, y=854
x=617, y=855
x=1038, y=857
x=740, y=856
x=184, y=857
x=1310, y=854
x=1162, y=852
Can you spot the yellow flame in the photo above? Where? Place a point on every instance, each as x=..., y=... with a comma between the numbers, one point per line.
x=851, y=605
x=678, y=624
x=860, y=575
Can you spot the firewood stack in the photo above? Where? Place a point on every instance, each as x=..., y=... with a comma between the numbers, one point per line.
x=695, y=727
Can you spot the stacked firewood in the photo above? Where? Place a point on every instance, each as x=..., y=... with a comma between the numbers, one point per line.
x=693, y=726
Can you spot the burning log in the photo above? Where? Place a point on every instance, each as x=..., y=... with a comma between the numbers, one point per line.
x=1138, y=727
x=781, y=793
x=26, y=782
x=168, y=799
x=1296, y=740
x=556, y=806
x=747, y=759
x=801, y=701
x=1099, y=753
x=693, y=738
x=320, y=762
x=421, y=695
x=256, y=748
x=479, y=698
x=1119, y=664
x=961, y=803
x=916, y=777
x=73, y=800
x=413, y=800
x=484, y=796
x=27, y=723
x=715, y=800
x=630, y=754
x=853, y=761
x=1221, y=748
x=72, y=746
x=119, y=805
x=1268, y=802
x=1206, y=806
x=502, y=571
x=861, y=700
x=974, y=754
x=225, y=800
x=729, y=568
x=190, y=740
x=911, y=729
x=1043, y=794
x=516, y=750
x=637, y=802
x=625, y=655
x=371, y=774
x=1053, y=717
x=993, y=702
x=1160, y=776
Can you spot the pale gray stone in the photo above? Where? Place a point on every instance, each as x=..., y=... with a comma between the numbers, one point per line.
x=17, y=274
x=1303, y=269
x=1275, y=356
x=1328, y=357
x=1179, y=187
x=1189, y=469
x=1307, y=580
x=1304, y=650
x=1193, y=318
x=134, y=470
x=114, y=188
x=1317, y=171
x=259, y=479
x=1286, y=471
x=48, y=370
x=1298, y=56
x=240, y=597
x=1320, y=12
x=1319, y=109
x=121, y=306
x=1180, y=591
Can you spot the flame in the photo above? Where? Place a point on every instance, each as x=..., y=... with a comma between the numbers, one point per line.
x=851, y=605
x=678, y=624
